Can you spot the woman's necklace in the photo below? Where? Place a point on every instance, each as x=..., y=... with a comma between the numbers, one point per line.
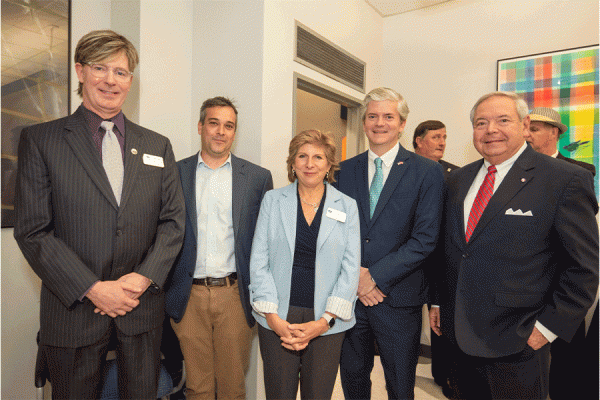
x=315, y=206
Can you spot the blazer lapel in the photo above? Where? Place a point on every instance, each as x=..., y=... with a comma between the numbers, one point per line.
x=332, y=200
x=133, y=141
x=396, y=173
x=288, y=207
x=362, y=177
x=517, y=178
x=187, y=172
x=239, y=188
x=464, y=186
x=79, y=138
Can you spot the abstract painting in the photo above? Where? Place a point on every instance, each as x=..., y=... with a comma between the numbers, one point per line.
x=566, y=81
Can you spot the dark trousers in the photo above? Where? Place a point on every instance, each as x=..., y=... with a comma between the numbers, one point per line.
x=315, y=367
x=77, y=373
x=574, y=365
x=397, y=331
x=441, y=362
x=519, y=376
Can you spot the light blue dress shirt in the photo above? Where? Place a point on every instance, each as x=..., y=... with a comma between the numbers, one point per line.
x=216, y=251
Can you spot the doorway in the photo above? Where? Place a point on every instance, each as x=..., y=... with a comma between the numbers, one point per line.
x=319, y=107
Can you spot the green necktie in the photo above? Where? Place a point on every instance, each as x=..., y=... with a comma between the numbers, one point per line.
x=376, y=185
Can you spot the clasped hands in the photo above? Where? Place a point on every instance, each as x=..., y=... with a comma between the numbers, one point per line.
x=114, y=298
x=296, y=336
x=368, y=292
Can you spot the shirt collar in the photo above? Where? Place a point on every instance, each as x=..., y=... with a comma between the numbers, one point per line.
x=94, y=121
x=388, y=158
x=503, y=168
x=201, y=161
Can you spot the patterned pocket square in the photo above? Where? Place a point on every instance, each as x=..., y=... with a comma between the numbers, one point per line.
x=519, y=212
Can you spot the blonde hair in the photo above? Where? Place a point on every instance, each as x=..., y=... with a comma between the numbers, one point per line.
x=318, y=138
x=97, y=46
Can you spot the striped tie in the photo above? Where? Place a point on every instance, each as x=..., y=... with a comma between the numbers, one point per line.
x=112, y=159
x=481, y=200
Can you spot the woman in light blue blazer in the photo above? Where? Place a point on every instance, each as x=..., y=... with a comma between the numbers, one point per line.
x=304, y=270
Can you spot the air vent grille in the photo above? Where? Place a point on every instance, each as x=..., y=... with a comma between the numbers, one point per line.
x=317, y=53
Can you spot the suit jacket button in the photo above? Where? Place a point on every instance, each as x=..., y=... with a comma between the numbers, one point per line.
x=465, y=255
x=367, y=240
x=119, y=232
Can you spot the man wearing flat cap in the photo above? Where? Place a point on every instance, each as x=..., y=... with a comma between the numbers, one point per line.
x=543, y=133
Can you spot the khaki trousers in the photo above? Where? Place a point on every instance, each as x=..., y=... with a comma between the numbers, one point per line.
x=215, y=342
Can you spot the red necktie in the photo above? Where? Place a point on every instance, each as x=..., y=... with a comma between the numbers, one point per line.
x=483, y=197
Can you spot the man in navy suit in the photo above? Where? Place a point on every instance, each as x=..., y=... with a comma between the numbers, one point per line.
x=521, y=257
x=399, y=195
x=207, y=296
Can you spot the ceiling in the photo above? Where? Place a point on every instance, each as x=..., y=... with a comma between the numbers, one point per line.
x=387, y=8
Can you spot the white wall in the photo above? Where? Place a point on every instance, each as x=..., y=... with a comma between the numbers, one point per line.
x=442, y=59
x=350, y=24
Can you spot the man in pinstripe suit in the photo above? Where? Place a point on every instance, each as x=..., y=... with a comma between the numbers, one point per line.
x=103, y=247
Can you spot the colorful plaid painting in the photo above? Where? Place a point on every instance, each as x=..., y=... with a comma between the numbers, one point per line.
x=566, y=81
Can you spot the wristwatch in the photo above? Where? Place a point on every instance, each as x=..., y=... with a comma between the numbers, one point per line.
x=330, y=320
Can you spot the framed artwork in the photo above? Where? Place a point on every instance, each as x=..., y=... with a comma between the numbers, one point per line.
x=35, y=78
x=567, y=81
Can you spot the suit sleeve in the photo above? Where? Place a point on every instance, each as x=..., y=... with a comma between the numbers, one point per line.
x=343, y=296
x=577, y=280
x=263, y=292
x=170, y=226
x=424, y=234
x=59, y=268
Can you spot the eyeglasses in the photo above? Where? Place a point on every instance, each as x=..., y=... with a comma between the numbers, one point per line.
x=101, y=71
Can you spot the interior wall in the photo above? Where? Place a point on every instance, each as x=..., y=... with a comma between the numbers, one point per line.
x=228, y=61
x=442, y=59
x=351, y=24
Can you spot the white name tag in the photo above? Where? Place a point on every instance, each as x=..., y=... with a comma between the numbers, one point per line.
x=336, y=214
x=155, y=161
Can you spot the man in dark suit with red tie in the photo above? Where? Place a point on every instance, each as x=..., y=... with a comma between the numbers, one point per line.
x=521, y=257
x=100, y=219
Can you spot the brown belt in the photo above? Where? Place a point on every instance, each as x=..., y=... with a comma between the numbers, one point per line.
x=216, y=281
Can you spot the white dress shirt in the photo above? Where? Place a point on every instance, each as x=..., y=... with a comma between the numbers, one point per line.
x=216, y=247
x=386, y=165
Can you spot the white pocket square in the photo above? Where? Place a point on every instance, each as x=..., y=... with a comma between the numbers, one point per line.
x=519, y=212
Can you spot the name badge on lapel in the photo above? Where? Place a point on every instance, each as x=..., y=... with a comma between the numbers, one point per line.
x=336, y=214
x=155, y=161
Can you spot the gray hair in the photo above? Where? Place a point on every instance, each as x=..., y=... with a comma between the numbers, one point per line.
x=520, y=104
x=382, y=94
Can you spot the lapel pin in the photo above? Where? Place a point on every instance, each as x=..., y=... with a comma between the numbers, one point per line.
x=522, y=179
x=448, y=170
x=400, y=162
x=133, y=151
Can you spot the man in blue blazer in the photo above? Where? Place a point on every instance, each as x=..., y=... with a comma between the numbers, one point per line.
x=207, y=296
x=521, y=263
x=399, y=196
